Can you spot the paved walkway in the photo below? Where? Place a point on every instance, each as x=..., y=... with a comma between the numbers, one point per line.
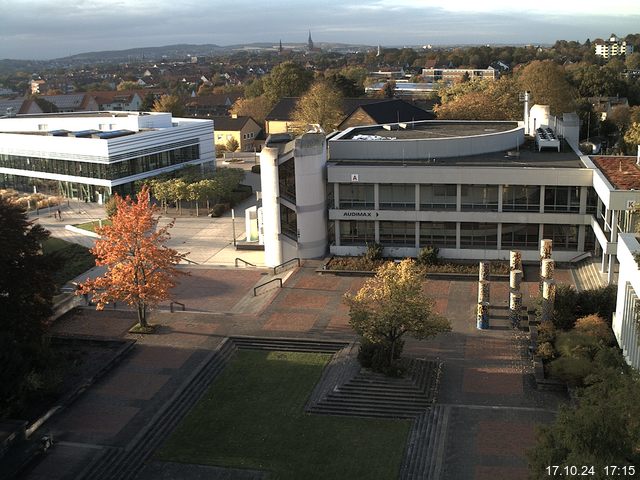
x=486, y=384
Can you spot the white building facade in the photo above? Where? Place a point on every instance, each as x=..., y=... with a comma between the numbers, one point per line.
x=91, y=155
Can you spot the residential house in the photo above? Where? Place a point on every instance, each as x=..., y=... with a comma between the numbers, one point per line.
x=245, y=130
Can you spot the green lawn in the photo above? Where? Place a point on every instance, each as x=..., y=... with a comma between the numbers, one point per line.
x=252, y=417
x=91, y=226
x=68, y=259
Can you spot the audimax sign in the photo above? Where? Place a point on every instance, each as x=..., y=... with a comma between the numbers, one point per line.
x=364, y=214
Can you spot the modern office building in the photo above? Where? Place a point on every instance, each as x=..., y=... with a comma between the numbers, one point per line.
x=475, y=190
x=90, y=155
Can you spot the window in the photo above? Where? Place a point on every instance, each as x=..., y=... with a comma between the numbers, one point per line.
x=562, y=199
x=288, y=222
x=438, y=234
x=479, y=235
x=520, y=235
x=397, y=196
x=520, y=198
x=356, y=195
x=287, y=180
x=398, y=234
x=564, y=237
x=592, y=200
x=480, y=197
x=357, y=232
x=438, y=197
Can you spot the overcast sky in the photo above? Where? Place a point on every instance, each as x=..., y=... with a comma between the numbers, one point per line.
x=44, y=29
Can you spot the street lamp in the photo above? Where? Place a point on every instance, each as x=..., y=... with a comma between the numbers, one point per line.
x=233, y=225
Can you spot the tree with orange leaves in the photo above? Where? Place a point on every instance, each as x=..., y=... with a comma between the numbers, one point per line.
x=141, y=270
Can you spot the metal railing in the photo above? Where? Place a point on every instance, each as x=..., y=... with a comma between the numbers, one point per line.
x=275, y=269
x=190, y=261
x=243, y=261
x=255, y=289
x=176, y=303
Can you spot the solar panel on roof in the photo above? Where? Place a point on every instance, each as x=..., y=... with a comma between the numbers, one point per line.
x=85, y=133
x=113, y=134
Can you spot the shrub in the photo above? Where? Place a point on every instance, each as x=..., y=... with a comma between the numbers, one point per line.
x=376, y=357
x=546, y=332
x=564, y=313
x=218, y=210
x=111, y=207
x=571, y=370
x=546, y=351
x=255, y=169
x=577, y=344
x=601, y=301
x=374, y=252
x=594, y=326
x=428, y=256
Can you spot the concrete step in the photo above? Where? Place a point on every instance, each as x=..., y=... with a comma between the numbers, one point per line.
x=288, y=344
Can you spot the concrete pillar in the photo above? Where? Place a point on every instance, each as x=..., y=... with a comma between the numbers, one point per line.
x=548, y=266
x=484, y=270
x=546, y=248
x=515, y=260
x=484, y=291
x=515, y=279
x=482, y=318
x=515, y=308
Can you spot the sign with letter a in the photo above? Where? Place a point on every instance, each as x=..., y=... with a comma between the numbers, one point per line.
x=354, y=177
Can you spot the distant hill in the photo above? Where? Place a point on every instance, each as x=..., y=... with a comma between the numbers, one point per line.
x=151, y=53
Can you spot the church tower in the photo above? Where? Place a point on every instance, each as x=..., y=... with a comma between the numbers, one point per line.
x=310, y=43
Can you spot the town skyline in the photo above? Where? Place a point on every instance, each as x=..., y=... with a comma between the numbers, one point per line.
x=69, y=28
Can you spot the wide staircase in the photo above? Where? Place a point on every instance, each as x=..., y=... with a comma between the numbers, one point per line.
x=586, y=275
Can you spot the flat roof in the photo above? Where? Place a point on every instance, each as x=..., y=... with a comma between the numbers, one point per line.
x=432, y=129
x=526, y=156
x=622, y=172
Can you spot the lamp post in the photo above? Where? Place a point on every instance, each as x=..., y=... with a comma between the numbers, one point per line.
x=233, y=225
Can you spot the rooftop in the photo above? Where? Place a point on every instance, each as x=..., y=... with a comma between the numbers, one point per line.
x=431, y=129
x=622, y=172
x=526, y=156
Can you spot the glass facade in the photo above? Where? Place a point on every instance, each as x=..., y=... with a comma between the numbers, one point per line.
x=521, y=198
x=288, y=222
x=398, y=234
x=438, y=197
x=438, y=234
x=479, y=235
x=565, y=237
x=562, y=199
x=397, y=196
x=520, y=235
x=103, y=171
x=356, y=196
x=480, y=197
x=356, y=232
x=287, y=180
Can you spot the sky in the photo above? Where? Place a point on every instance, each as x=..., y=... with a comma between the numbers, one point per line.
x=45, y=29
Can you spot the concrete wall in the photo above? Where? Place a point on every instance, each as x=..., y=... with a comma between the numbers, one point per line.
x=624, y=321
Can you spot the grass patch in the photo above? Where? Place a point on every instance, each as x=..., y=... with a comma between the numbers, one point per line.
x=252, y=417
x=67, y=259
x=91, y=226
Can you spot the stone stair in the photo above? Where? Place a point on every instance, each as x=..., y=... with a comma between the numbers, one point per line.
x=119, y=463
x=586, y=275
x=370, y=394
x=287, y=344
x=425, y=445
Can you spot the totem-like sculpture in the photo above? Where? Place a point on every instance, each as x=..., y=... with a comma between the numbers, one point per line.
x=482, y=317
x=515, y=279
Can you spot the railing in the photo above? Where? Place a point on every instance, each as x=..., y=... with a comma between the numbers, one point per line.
x=243, y=261
x=275, y=269
x=190, y=261
x=176, y=303
x=255, y=289
x=580, y=257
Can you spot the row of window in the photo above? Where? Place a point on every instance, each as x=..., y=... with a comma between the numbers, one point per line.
x=472, y=235
x=106, y=171
x=515, y=198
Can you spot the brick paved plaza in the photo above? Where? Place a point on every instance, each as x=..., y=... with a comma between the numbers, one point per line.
x=486, y=380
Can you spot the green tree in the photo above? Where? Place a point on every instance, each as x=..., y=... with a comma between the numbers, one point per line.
x=480, y=100
x=254, y=89
x=632, y=61
x=391, y=304
x=548, y=85
x=127, y=85
x=604, y=428
x=632, y=138
x=26, y=291
x=169, y=103
x=255, y=107
x=178, y=192
x=388, y=89
x=287, y=79
x=232, y=145
x=322, y=104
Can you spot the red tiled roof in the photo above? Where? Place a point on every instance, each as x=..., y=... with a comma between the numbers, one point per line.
x=622, y=172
